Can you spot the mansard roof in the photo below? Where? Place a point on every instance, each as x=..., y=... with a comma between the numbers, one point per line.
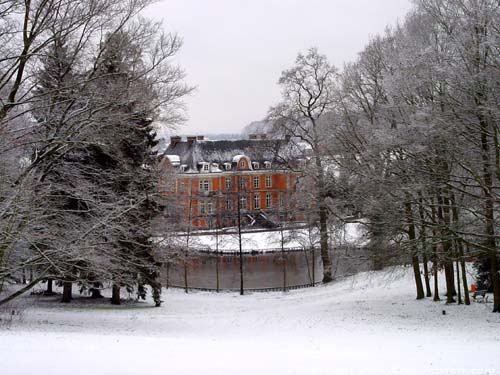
x=193, y=152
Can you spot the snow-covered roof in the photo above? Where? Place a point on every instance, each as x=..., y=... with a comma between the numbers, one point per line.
x=175, y=160
x=237, y=158
x=193, y=152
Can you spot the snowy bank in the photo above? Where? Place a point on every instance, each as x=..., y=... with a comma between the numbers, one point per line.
x=369, y=324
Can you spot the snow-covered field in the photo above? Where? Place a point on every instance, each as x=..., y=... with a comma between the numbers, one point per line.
x=350, y=233
x=370, y=324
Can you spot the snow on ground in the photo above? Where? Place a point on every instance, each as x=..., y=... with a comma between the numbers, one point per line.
x=351, y=233
x=369, y=324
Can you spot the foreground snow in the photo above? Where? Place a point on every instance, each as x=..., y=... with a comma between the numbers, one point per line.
x=369, y=324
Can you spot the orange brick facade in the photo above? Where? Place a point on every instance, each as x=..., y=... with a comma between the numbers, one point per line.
x=210, y=200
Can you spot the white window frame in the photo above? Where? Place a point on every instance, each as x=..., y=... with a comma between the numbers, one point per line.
x=281, y=200
x=269, y=181
x=256, y=182
x=202, y=208
x=267, y=165
x=256, y=201
x=227, y=183
x=243, y=202
x=255, y=165
x=243, y=182
x=269, y=200
x=204, y=185
x=210, y=207
x=242, y=163
x=206, y=167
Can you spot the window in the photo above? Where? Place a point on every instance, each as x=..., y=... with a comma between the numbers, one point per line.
x=256, y=182
x=268, y=181
x=202, y=207
x=243, y=182
x=210, y=207
x=242, y=163
x=227, y=166
x=267, y=164
x=243, y=203
x=281, y=200
x=255, y=165
x=228, y=183
x=182, y=186
x=183, y=168
x=269, y=199
x=204, y=185
x=229, y=205
x=256, y=201
x=206, y=167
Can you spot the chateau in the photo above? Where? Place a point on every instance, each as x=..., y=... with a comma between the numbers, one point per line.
x=206, y=183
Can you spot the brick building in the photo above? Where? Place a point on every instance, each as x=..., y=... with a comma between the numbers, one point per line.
x=203, y=181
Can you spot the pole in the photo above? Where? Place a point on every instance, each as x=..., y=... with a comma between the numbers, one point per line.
x=241, y=250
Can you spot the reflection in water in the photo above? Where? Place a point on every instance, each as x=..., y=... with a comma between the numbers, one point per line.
x=261, y=271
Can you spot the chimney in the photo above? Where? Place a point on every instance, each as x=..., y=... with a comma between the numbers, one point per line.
x=191, y=139
x=200, y=138
x=175, y=140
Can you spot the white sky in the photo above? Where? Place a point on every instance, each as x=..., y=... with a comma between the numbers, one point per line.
x=235, y=50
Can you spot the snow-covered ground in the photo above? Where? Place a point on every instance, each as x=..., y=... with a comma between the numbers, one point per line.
x=369, y=324
x=350, y=233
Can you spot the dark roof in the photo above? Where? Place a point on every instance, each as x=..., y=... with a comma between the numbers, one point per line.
x=220, y=152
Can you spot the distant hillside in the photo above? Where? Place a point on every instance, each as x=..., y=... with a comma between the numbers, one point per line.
x=257, y=127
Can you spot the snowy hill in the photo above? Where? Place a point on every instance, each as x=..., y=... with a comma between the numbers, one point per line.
x=370, y=324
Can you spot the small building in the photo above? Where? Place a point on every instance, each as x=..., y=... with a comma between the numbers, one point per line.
x=206, y=183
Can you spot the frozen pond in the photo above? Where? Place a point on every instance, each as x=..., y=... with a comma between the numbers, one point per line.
x=270, y=270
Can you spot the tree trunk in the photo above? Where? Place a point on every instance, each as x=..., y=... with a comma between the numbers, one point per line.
x=423, y=239
x=414, y=257
x=426, y=276
x=458, y=283
x=489, y=206
x=436, y=282
x=325, y=255
x=496, y=282
x=435, y=260
x=67, y=291
x=49, y=291
x=95, y=291
x=115, y=294
x=464, y=277
x=444, y=216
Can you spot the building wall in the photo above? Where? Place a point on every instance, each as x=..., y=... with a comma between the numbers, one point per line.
x=203, y=198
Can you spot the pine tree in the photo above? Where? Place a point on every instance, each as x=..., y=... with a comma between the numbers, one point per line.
x=128, y=137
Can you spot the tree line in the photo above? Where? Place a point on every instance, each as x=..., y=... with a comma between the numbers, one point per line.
x=82, y=86
x=406, y=138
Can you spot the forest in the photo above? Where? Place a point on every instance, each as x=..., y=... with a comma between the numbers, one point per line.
x=404, y=140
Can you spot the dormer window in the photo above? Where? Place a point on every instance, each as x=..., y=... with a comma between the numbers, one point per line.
x=267, y=164
x=227, y=166
x=255, y=165
x=182, y=168
x=242, y=164
x=206, y=167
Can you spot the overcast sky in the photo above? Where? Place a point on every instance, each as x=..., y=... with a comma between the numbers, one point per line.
x=235, y=50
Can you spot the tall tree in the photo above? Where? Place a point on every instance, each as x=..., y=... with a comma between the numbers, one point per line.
x=308, y=93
